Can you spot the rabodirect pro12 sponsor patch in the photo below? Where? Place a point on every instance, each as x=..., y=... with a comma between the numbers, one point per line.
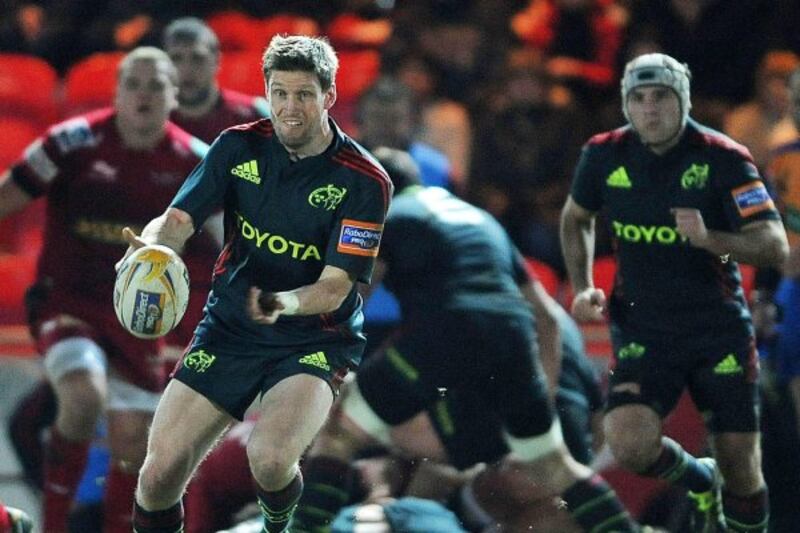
x=359, y=238
x=752, y=198
x=147, y=312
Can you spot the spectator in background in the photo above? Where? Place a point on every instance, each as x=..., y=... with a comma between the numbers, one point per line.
x=524, y=152
x=204, y=109
x=45, y=28
x=754, y=122
x=703, y=34
x=93, y=364
x=579, y=42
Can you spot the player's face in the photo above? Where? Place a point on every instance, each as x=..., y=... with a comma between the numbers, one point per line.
x=794, y=99
x=197, y=66
x=145, y=95
x=655, y=113
x=299, y=107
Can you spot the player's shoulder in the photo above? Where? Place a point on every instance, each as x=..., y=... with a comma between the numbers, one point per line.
x=262, y=128
x=609, y=139
x=183, y=142
x=353, y=159
x=717, y=141
x=245, y=105
x=81, y=131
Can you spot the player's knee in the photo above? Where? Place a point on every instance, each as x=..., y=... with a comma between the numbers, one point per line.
x=634, y=436
x=270, y=464
x=161, y=480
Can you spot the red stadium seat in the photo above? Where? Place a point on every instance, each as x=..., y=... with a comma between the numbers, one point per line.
x=28, y=88
x=748, y=279
x=349, y=30
x=236, y=31
x=241, y=71
x=605, y=268
x=358, y=69
x=91, y=82
x=546, y=275
x=20, y=228
x=18, y=133
x=285, y=24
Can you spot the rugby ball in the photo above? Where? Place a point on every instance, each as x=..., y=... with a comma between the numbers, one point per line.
x=151, y=292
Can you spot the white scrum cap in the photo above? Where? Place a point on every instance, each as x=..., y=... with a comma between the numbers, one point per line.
x=657, y=69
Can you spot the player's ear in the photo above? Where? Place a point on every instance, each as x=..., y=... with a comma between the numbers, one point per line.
x=330, y=97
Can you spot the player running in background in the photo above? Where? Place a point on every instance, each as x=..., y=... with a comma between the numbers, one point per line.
x=306, y=206
x=685, y=203
x=99, y=172
x=468, y=327
x=204, y=109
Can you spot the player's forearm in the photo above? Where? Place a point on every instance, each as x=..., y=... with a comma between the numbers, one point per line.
x=173, y=229
x=12, y=197
x=548, y=334
x=324, y=296
x=577, y=246
x=762, y=246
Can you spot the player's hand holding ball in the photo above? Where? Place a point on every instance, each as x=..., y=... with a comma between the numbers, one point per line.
x=151, y=292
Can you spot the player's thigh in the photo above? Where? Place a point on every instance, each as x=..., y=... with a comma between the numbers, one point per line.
x=185, y=426
x=646, y=372
x=724, y=385
x=393, y=384
x=292, y=412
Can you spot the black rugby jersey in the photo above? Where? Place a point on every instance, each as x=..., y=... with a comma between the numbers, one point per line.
x=445, y=254
x=284, y=222
x=663, y=283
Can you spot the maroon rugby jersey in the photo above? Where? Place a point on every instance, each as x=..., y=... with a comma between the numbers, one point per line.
x=95, y=186
x=232, y=108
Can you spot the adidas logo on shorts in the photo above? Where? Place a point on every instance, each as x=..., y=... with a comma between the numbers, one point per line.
x=317, y=359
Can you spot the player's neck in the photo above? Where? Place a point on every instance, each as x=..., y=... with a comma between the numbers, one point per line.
x=140, y=139
x=202, y=107
x=315, y=147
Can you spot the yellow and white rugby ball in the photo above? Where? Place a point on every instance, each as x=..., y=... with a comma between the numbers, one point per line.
x=151, y=292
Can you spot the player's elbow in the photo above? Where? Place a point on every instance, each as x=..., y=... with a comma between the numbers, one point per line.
x=777, y=248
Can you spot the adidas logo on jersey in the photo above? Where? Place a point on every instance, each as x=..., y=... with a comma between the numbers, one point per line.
x=247, y=171
x=728, y=366
x=619, y=179
x=317, y=359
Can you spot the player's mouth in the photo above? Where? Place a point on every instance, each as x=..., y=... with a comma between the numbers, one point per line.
x=144, y=109
x=292, y=123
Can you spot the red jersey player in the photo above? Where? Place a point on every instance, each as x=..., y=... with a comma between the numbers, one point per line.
x=100, y=172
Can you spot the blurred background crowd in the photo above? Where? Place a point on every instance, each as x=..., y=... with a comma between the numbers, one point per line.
x=496, y=95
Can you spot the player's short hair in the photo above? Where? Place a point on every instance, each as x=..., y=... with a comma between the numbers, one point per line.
x=387, y=91
x=190, y=30
x=300, y=52
x=658, y=69
x=400, y=166
x=148, y=53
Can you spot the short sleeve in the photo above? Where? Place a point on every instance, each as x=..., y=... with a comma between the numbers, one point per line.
x=355, y=241
x=203, y=192
x=44, y=161
x=745, y=195
x=586, y=190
